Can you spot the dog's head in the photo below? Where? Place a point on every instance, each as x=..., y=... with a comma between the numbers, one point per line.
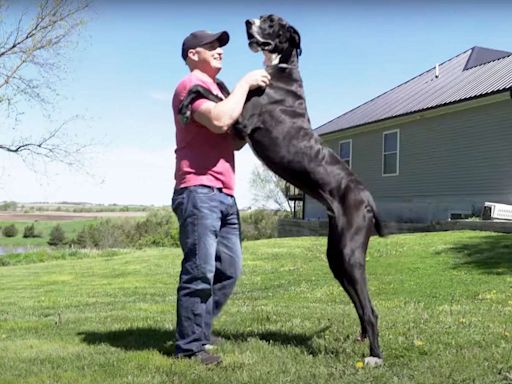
x=272, y=34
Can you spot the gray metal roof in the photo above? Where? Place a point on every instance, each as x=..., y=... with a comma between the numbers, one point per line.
x=474, y=73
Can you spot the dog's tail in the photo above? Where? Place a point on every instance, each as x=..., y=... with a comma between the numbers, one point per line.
x=379, y=227
x=377, y=223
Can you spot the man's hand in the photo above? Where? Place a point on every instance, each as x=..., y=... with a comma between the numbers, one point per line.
x=257, y=78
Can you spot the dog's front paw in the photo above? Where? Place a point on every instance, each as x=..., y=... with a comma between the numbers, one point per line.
x=240, y=131
x=373, y=361
x=185, y=113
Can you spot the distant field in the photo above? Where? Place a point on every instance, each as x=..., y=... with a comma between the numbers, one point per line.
x=64, y=216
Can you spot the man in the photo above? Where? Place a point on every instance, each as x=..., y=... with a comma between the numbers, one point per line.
x=203, y=198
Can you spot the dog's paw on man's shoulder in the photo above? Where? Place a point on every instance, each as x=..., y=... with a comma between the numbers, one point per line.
x=185, y=113
x=240, y=130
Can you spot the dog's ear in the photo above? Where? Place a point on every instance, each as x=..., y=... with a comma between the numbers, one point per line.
x=294, y=38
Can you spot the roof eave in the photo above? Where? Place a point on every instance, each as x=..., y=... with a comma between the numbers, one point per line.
x=502, y=94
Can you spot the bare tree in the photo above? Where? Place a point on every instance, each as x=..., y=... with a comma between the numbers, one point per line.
x=268, y=189
x=32, y=48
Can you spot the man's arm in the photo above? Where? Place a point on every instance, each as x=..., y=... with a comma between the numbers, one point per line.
x=219, y=117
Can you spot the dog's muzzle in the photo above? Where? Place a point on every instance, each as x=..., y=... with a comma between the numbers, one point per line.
x=256, y=43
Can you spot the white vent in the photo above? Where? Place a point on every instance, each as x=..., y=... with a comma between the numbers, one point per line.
x=496, y=211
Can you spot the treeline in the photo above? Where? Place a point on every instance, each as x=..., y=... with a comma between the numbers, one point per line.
x=13, y=206
x=158, y=229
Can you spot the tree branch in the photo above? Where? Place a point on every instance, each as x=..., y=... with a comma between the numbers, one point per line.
x=30, y=64
x=37, y=46
x=54, y=146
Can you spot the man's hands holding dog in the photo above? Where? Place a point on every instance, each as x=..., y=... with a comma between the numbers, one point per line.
x=220, y=116
x=257, y=78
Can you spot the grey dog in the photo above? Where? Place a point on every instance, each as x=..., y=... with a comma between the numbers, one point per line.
x=276, y=124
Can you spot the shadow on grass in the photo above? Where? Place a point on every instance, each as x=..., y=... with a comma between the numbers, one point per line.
x=300, y=340
x=163, y=341
x=490, y=254
x=135, y=339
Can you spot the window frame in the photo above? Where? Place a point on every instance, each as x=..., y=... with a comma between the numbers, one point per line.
x=397, y=131
x=339, y=152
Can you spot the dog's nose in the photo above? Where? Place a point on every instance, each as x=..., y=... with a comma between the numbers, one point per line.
x=248, y=23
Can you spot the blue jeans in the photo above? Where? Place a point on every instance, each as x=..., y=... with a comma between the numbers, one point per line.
x=212, y=261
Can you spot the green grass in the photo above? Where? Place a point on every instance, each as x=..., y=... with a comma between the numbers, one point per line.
x=444, y=300
x=41, y=255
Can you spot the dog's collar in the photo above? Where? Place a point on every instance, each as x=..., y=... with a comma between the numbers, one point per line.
x=283, y=61
x=281, y=65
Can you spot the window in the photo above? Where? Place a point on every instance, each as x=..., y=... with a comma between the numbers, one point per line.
x=390, y=153
x=346, y=152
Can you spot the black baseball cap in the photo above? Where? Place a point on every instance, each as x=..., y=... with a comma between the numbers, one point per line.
x=198, y=38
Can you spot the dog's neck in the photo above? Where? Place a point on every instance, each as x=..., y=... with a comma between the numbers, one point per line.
x=276, y=60
x=271, y=58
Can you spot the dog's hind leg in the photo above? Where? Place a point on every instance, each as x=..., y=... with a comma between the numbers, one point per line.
x=336, y=265
x=346, y=254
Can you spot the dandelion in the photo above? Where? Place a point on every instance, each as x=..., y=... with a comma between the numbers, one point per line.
x=419, y=343
x=359, y=364
x=462, y=321
x=506, y=334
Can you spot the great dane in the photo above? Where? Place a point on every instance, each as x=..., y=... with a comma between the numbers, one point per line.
x=276, y=124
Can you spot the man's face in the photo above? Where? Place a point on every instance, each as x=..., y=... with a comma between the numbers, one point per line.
x=209, y=55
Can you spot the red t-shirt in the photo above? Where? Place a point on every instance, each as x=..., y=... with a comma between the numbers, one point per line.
x=202, y=156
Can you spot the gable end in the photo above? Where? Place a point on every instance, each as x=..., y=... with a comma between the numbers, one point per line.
x=480, y=56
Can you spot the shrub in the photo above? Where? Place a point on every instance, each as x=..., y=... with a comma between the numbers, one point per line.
x=83, y=238
x=260, y=223
x=57, y=236
x=105, y=234
x=29, y=231
x=158, y=229
x=10, y=231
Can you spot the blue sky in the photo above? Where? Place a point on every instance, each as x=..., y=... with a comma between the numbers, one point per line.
x=122, y=74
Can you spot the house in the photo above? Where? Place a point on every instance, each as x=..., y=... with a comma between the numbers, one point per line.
x=435, y=147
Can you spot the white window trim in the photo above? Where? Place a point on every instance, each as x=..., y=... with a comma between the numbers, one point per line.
x=397, y=153
x=339, y=150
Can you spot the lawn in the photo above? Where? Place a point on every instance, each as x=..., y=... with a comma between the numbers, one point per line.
x=444, y=300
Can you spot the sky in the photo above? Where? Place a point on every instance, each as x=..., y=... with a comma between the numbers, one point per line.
x=121, y=75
